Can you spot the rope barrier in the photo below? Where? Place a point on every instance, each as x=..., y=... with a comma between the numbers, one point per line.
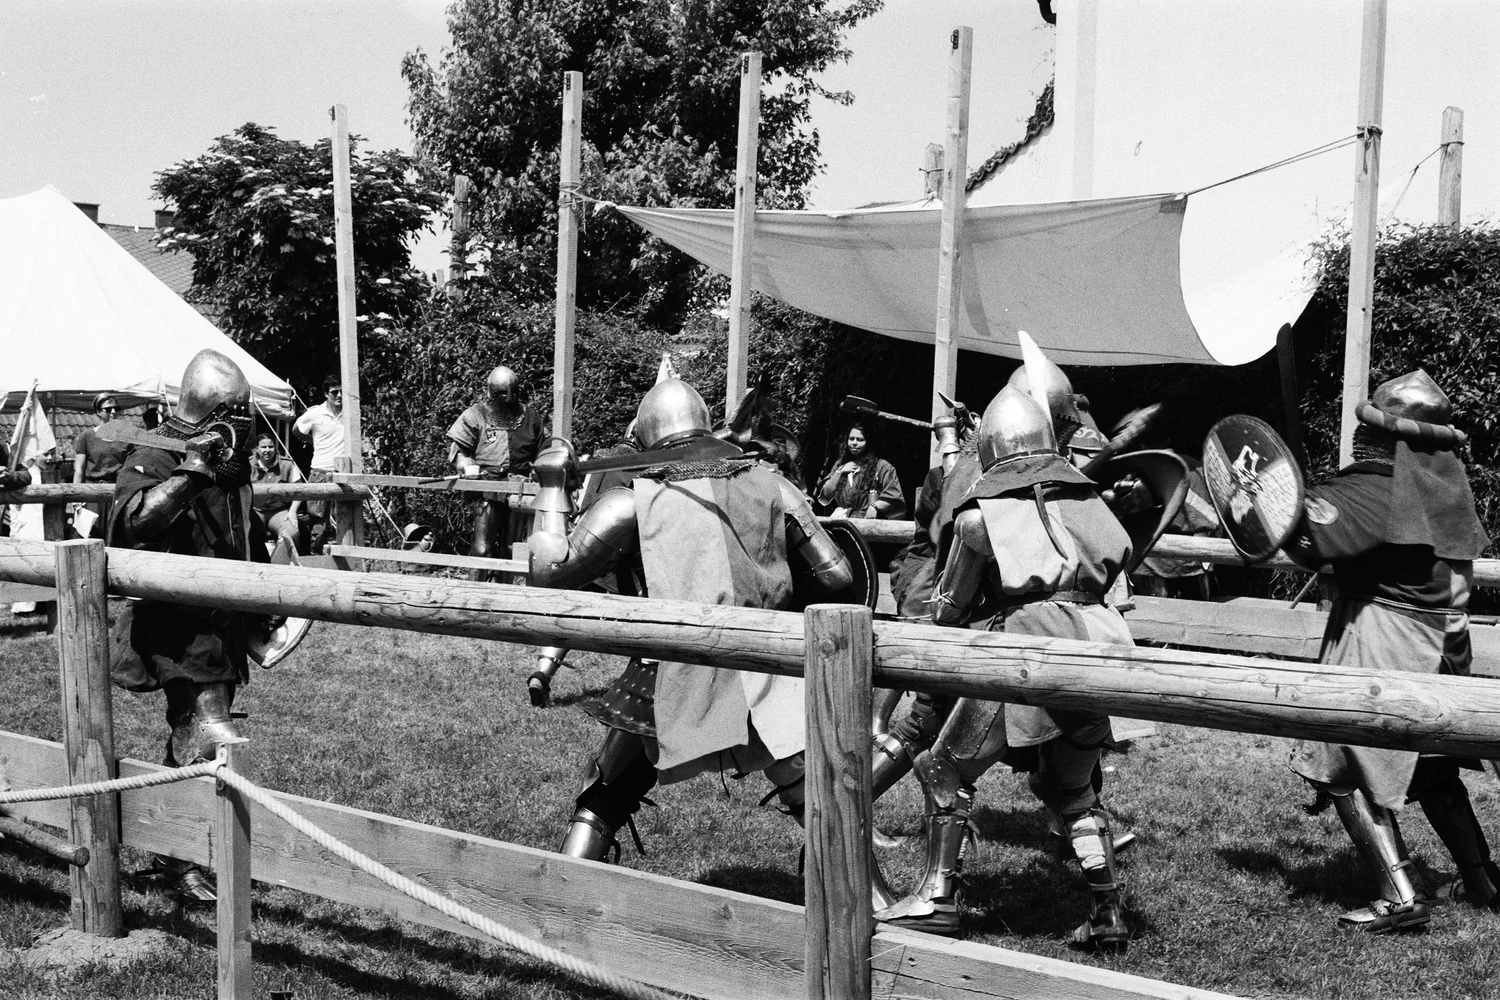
x=112, y=785
x=575, y=967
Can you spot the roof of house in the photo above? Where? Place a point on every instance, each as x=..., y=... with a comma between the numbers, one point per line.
x=174, y=268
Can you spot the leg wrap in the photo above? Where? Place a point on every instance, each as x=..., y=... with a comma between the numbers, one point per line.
x=1445, y=801
x=614, y=785
x=1378, y=840
x=1093, y=844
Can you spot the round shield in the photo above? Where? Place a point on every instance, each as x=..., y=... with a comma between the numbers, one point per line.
x=269, y=647
x=1164, y=476
x=866, y=586
x=1255, y=484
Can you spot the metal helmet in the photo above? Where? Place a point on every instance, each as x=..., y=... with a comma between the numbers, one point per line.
x=501, y=386
x=672, y=411
x=211, y=380
x=1412, y=406
x=1013, y=426
x=1058, y=390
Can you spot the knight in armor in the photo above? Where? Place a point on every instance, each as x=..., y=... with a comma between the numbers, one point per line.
x=714, y=526
x=1399, y=527
x=497, y=437
x=1034, y=551
x=196, y=503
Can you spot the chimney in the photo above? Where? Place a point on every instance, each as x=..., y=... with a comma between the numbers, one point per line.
x=90, y=209
x=165, y=218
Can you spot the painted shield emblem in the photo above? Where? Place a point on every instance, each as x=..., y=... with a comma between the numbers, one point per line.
x=1255, y=484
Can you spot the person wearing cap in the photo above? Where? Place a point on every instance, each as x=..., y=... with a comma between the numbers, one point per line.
x=283, y=518
x=323, y=425
x=96, y=461
x=1400, y=530
x=498, y=437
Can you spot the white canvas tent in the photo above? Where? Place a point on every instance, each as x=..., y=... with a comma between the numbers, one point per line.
x=79, y=315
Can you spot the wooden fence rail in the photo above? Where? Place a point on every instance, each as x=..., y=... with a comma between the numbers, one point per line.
x=53, y=493
x=1455, y=715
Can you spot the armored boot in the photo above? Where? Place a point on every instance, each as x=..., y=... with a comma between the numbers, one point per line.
x=1378, y=839
x=549, y=661
x=615, y=784
x=934, y=906
x=1093, y=845
x=199, y=714
x=1448, y=809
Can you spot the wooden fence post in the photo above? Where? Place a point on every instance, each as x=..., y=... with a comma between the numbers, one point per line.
x=232, y=866
x=840, y=923
x=89, y=732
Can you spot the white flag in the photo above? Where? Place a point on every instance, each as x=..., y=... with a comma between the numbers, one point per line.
x=32, y=437
x=667, y=369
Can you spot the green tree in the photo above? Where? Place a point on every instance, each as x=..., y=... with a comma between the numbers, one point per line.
x=256, y=213
x=660, y=117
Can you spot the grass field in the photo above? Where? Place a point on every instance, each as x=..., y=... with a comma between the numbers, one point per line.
x=1236, y=887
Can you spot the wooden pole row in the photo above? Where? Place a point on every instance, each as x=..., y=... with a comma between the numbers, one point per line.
x=1455, y=715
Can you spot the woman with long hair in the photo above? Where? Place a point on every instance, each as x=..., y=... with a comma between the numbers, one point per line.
x=861, y=483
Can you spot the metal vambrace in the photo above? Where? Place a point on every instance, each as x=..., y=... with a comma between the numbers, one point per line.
x=152, y=511
x=605, y=532
x=963, y=576
x=825, y=560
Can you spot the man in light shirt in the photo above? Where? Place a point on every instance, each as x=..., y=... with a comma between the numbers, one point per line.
x=324, y=426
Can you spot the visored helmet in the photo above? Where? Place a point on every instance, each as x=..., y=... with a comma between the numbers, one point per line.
x=1058, y=389
x=1013, y=426
x=672, y=411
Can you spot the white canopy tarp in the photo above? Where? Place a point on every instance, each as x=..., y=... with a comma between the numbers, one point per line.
x=79, y=315
x=1095, y=282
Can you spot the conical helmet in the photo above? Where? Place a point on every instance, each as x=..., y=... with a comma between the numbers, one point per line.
x=672, y=411
x=1058, y=390
x=1412, y=406
x=1013, y=426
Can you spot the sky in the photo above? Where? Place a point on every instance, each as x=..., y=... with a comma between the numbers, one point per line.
x=98, y=95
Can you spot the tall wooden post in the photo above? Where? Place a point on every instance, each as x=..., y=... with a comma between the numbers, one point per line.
x=951, y=241
x=1451, y=170
x=567, y=254
x=1365, y=218
x=458, y=249
x=840, y=924
x=741, y=268
x=232, y=867
x=343, y=233
x=89, y=732
x=932, y=171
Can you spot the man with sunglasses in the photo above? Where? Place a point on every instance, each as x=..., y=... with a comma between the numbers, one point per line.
x=323, y=425
x=96, y=461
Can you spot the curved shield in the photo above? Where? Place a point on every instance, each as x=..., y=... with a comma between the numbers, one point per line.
x=866, y=586
x=269, y=647
x=1145, y=516
x=1255, y=484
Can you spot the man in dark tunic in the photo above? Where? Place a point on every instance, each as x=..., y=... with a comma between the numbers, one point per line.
x=96, y=461
x=1399, y=527
x=196, y=504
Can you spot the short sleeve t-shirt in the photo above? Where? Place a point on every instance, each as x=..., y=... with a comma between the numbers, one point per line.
x=102, y=459
x=327, y=432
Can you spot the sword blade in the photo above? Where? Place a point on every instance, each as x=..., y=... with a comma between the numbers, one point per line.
x=118, y=432
x=699, y=450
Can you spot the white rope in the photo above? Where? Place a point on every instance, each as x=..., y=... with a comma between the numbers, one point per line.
x=576, y=967
x=112, y=785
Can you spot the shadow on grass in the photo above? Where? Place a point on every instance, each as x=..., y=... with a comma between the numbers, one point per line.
x=30, y=890
x=1337, y=878
x=574, y=697
x=21, y=628
x=769, y=883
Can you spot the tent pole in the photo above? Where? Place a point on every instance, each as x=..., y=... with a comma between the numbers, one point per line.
x=955, y=198
x=1361, y=307
x=932, y=171
x=567, y=255
x=740, y=271
x=1451, y=172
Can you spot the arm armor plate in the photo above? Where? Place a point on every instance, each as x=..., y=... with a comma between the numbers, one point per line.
x=152, y=511
x=964, y=574
x=605, y=532
x=825, y=560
